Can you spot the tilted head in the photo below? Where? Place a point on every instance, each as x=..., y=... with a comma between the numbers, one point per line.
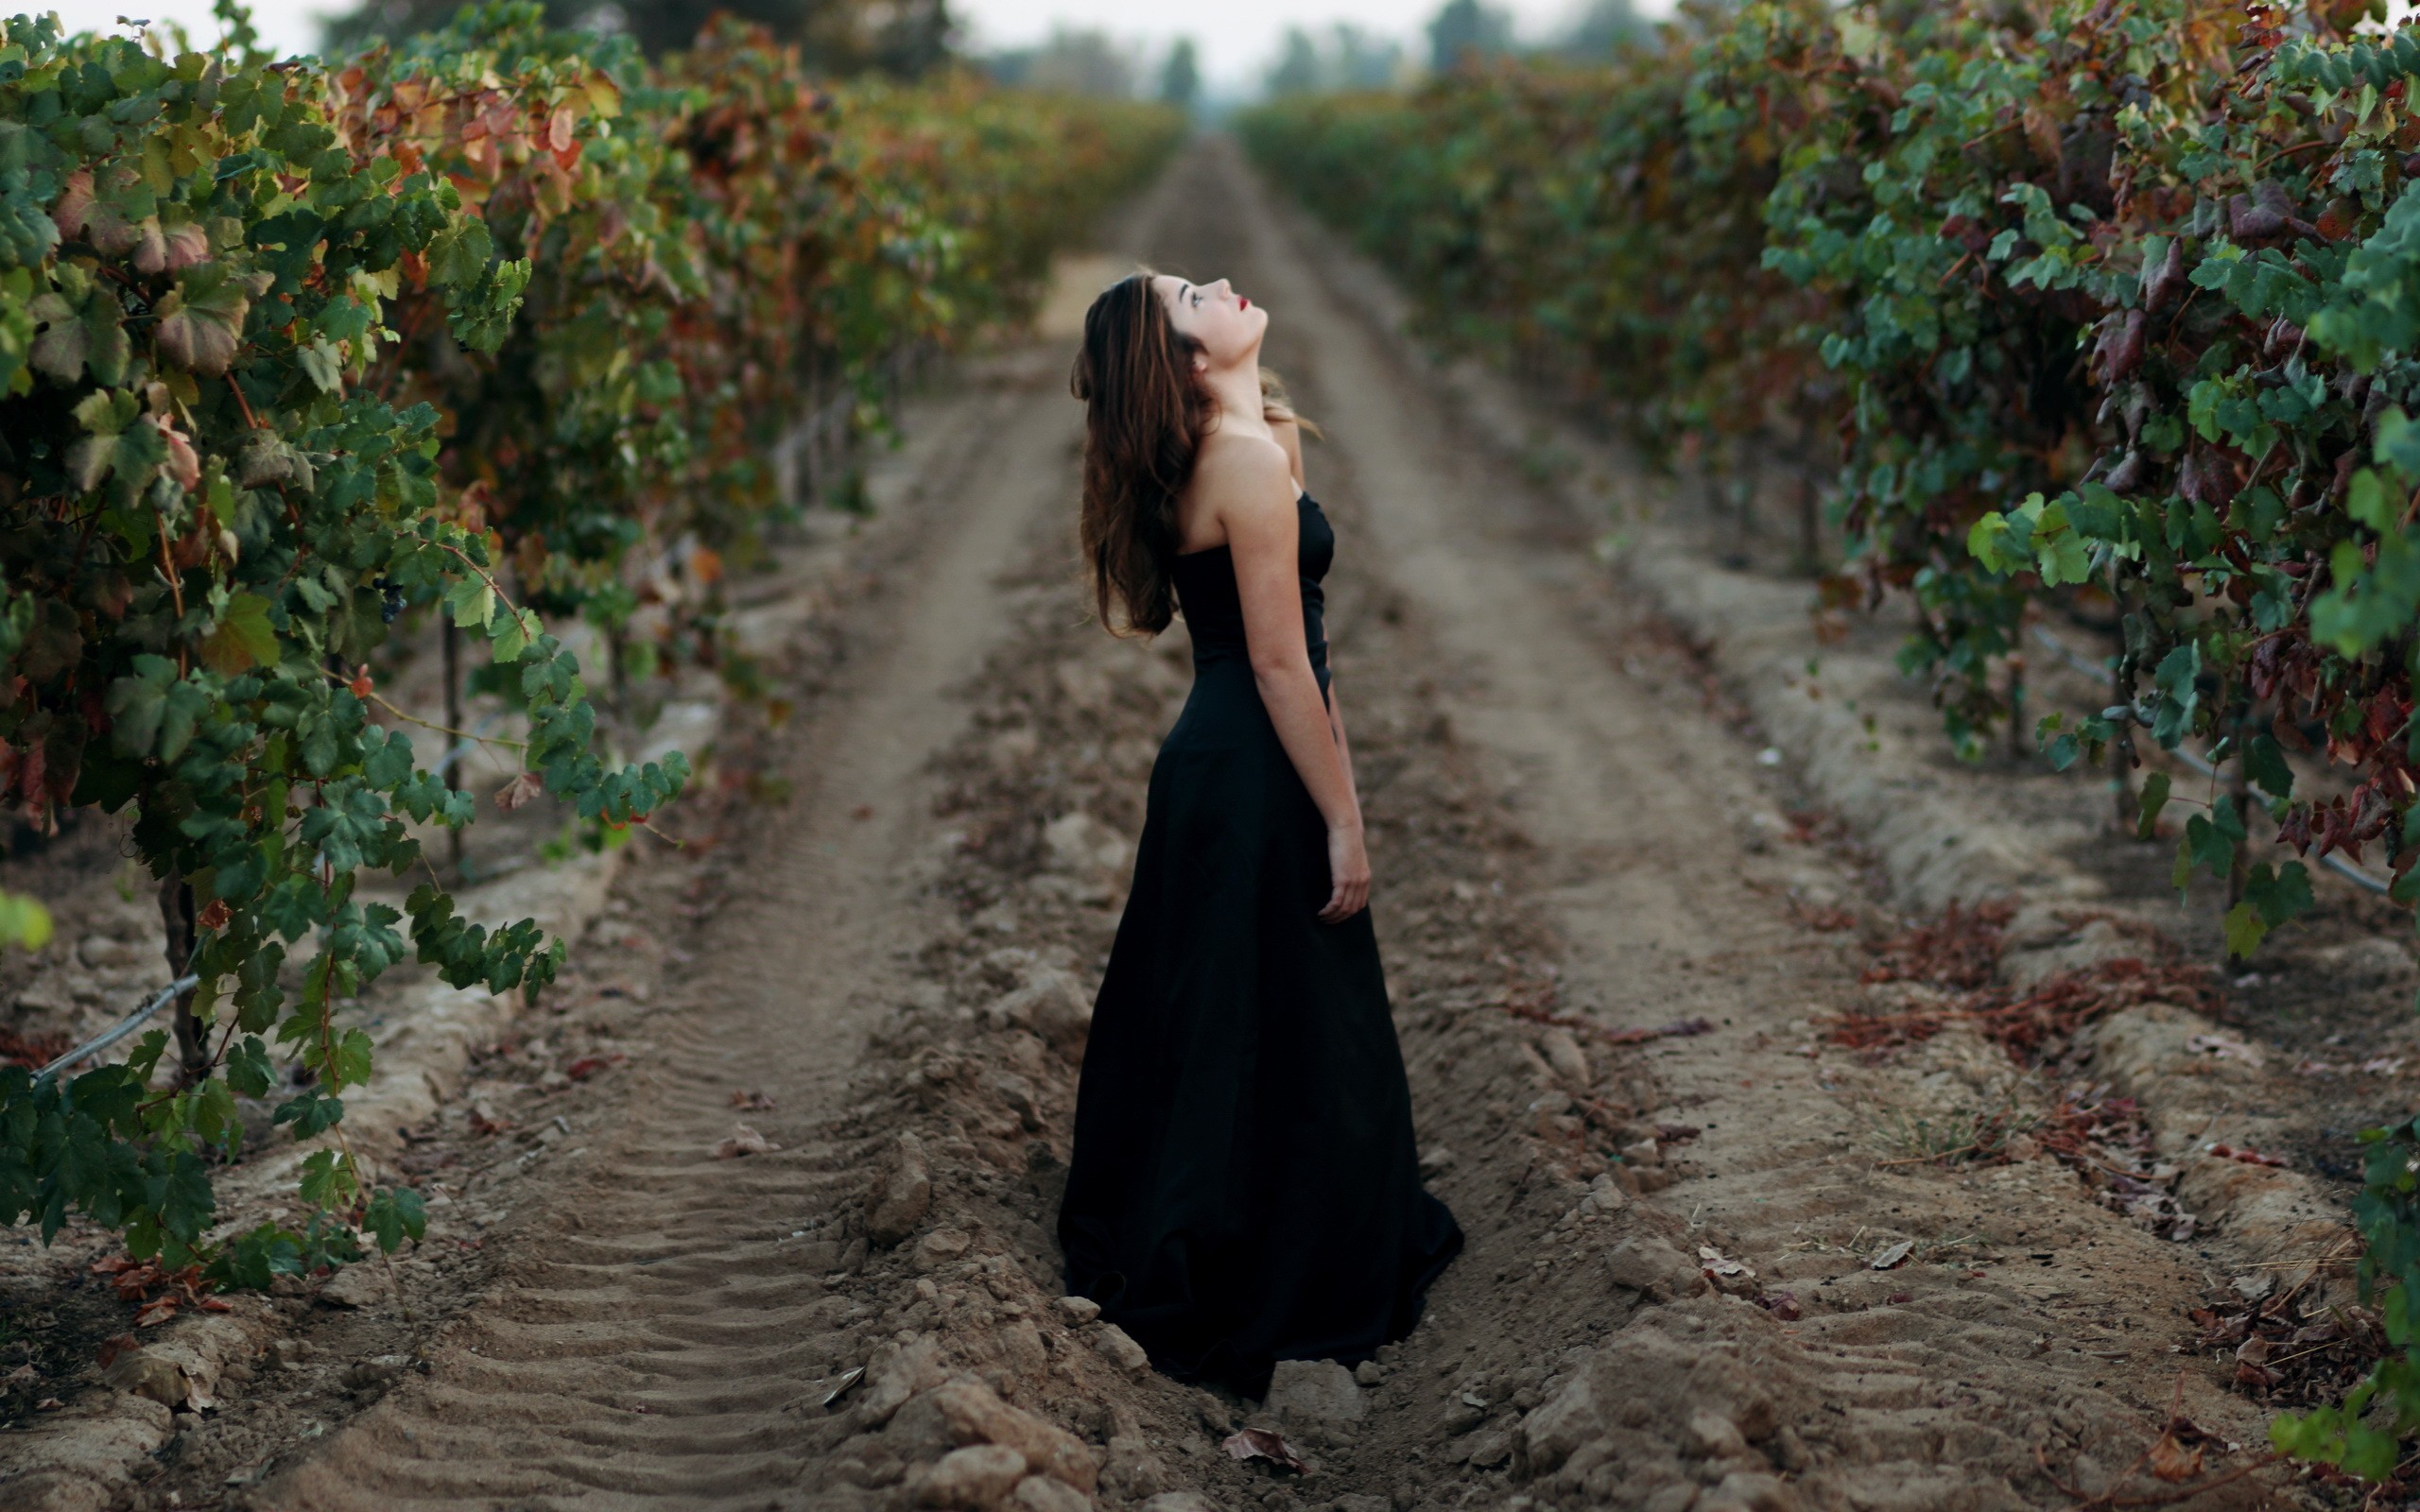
x=1151, y=341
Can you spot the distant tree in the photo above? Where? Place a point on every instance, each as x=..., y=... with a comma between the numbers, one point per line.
x=1359, y=60
x=1466, y=28
x=1080, y=61
x=1180, y=77
x=1298, y=70
x=902, y=37
x=1604, y=28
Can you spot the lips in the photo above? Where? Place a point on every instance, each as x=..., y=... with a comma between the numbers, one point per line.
x=1247, y=303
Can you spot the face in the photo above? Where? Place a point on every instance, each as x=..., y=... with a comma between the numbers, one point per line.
x=1228, y=325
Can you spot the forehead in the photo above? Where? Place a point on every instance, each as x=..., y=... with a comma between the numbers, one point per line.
x=1165, y=284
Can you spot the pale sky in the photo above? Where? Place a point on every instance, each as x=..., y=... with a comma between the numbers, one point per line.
x=1237, y=39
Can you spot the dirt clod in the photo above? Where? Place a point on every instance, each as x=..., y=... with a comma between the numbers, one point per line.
x=902, y=1193
x=974, y=1479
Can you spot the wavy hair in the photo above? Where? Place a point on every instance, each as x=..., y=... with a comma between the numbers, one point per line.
x=1146, y=411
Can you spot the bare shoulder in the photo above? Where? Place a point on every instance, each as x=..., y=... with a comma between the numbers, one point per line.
x=1246, y=481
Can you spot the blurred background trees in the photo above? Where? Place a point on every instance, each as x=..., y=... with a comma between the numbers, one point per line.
x=906, y=38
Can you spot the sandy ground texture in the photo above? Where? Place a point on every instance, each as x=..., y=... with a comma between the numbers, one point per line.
x=759, y=1214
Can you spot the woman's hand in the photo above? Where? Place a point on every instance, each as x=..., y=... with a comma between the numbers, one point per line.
x=1348, y=870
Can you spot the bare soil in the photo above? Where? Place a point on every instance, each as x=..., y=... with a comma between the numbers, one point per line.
x=1739, y=1266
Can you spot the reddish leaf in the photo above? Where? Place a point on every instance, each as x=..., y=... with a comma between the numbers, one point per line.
x=1260, y=1443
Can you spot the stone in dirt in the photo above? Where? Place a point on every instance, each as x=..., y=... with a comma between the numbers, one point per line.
x=1646, y=1265
x=1569, y=1420
x=1040, y=1494
x=970, y=1480
x=1485, y=1448
x=378, y=1370
x=941, y=1247
x=1179, y=1501
x=147, y=1374
x=1751, y=1492
x=362, y=1285
x=897, y=1373
x=1119, y=1348
x=1052, y=1004
x=1711, y=1436
x=972, y=1412
x=1569, y=1062
x=1132, y=1470
x=902, y=1193
x=1079, y=1309
x=1080, y=844
x=1313, y=1391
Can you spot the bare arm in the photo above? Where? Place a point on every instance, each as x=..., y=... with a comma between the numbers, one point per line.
x=1249, y=485
x=1336, y=724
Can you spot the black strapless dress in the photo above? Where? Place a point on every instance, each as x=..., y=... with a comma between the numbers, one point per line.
x=1244, y=1187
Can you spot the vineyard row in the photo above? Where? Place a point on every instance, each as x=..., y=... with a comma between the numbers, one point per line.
x=2114, y=309
x=474, y=326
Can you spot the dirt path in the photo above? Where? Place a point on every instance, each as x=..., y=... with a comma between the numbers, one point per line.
x=1563, y=820
x=647, y=1335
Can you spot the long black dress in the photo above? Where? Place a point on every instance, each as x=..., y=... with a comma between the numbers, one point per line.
x=1244, y=1187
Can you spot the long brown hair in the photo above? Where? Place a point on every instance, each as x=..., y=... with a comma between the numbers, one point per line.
x=1146, y=411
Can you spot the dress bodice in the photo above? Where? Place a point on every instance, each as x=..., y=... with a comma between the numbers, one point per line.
x=1214, y=609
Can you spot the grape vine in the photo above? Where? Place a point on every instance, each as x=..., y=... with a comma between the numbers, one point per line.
x=2107, y=301
x=291, y=349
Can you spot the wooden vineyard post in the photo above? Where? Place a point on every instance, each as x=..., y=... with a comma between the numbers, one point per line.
x=2122, y=694
x=177, y=923
x=449, y=766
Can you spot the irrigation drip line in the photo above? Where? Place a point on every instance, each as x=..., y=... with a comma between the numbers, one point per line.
x=2331, y=860
x=122, y=1028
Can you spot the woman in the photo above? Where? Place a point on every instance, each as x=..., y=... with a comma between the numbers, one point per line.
x=1244, y=1188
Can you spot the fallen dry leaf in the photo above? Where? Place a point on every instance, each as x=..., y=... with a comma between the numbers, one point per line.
x=1784, y=1305
x=1716, y=1263
x=2171, y=1461
x=754, y=1102
x=1893, y=1256
x=1259, y=1443
x=744, y=1140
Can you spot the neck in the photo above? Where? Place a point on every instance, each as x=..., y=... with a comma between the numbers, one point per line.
x=1237, y=391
